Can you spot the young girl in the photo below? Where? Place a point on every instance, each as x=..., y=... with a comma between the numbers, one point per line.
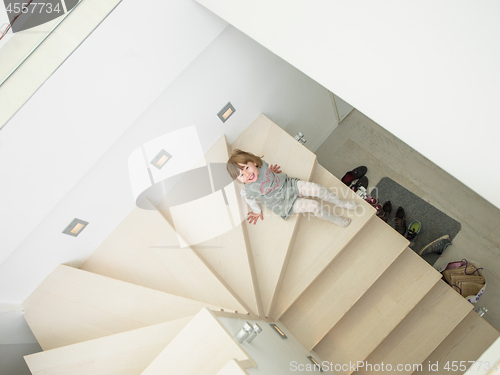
x=282, y=194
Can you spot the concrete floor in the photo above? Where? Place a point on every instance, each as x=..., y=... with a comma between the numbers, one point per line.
x=360, y=141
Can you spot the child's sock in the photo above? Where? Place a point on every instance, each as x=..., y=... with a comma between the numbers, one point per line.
x=338, y=220
x=330, y=197
x=312, y=189
x=302, y=205
x=350, y=205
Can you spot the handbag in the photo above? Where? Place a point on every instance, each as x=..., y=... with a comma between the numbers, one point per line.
x=466, y=278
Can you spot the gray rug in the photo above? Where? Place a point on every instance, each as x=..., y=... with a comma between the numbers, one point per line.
x=435, y=223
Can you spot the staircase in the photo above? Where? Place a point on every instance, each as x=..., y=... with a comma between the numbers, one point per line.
x=356, y=296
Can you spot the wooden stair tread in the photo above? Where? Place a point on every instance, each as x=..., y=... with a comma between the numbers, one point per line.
x=318, y=242
x=379, y=310
x=233, y=367
x=270, y=252
x=422, y=330
x=229, y=254
x=470, y=338
x=72, y=306
x=204, y=346
x=369, y=254
x=144, y=250
x=127, y=353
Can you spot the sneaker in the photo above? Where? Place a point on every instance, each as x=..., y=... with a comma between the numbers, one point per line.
x=437, y=246
x=386, y=210
x=361, y=191
x=362, y=182
x=413, y=230
x=400, y=221
x=356, y=173
x=371, y=200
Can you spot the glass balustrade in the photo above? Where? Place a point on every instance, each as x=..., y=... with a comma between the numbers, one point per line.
x=24, y=26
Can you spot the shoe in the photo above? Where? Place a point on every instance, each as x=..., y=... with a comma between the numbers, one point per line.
x=356, y=173
x=437, y=246
x=400, y=221
x=385, y=212
x=362, y=182
x=371, y=200
x=413, y=230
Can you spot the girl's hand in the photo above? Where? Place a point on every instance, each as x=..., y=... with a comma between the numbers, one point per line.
x=253, y=217
x=275, y=168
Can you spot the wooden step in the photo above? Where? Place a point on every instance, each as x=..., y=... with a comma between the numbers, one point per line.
x=378, y=311
x=233, y=367
x=464, y=345
x=144, y=250
x=271, y=251
x=343, y=282
x=318, y=242
x=229, y=254
x=127, y=353
x=72, y=306
x=204, y=346
x=421, y=331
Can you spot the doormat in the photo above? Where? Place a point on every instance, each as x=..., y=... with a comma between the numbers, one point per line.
x=435, y=223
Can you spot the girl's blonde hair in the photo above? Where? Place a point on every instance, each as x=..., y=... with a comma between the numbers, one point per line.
x=241, y=157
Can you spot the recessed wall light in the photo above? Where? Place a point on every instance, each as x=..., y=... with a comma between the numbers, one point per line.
x=226, y=112
x=316, y=363
x=279, y=331
x=75, y=227
x=161, y=159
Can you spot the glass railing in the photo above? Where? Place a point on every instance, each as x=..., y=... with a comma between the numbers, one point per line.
x=24, y=26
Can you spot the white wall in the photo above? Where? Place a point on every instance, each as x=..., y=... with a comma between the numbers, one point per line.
x=73, y=119
x=426, y=71
x=233, y=68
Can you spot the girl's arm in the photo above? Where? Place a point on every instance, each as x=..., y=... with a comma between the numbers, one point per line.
x=256, y=212
x=254, y=205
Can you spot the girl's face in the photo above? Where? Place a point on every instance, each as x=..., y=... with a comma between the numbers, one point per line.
x=248, y=173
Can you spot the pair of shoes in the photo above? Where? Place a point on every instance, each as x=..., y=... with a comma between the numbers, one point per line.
x=437, y=246
x=360, y=189
x=400, y=221
x=356, y=173
x=413, y=230
x=361, y=183
x=385, y=211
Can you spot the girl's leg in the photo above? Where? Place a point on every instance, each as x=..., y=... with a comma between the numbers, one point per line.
x=310, y=189
x=302, y=205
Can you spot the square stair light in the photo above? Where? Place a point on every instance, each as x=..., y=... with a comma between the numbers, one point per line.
x=75, y=227
x=161, y=159
x=226, y=112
